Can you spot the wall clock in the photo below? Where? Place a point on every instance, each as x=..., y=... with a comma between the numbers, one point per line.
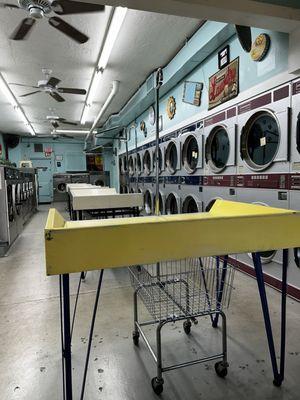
x=143, y=128
x=151, y=115
x=260, y=47
x=171, y=107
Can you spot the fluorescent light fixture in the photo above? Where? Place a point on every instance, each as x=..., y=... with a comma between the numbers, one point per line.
x=111, y=37
x=12, y=100
x=69, y=131
x=85, y=114
x=114, y=29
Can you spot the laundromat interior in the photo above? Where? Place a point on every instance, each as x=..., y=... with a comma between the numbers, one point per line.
x=149, y=200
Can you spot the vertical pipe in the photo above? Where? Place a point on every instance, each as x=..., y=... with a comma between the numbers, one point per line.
x=67, y=337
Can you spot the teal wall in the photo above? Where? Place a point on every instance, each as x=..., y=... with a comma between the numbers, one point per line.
x=3, y=149
x=250, y=74
x=73, y=157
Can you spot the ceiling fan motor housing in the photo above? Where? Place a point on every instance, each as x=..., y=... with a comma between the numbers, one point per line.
x=36, y=8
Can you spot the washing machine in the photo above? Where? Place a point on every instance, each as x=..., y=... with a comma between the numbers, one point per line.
x=60, y=186
x=82, y=177
x=264, y=132
x=99, y=178
x=271, y=260
x=8, y=213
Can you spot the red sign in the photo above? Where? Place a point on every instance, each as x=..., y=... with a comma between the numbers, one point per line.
x=48, y=151
x=224, y=84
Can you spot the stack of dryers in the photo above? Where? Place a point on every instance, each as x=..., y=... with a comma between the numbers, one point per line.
x=189, y=191
x=148, y=178
x=123, y=173
x=99, y=178
x=60, y=186
x=220, y=157
x=28, y=192
x=263, y=167
x=294, y=183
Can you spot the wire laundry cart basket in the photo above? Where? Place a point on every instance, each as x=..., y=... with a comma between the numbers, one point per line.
x=182, y=291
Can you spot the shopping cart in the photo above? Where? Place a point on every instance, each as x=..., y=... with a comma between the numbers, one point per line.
x=182, y=291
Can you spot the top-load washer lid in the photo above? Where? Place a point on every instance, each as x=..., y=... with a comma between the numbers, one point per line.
x=190, y=154
x=148, y=203
x=159, y=160
x=138, y=163
x=147, y=162
x=190, y=205
x=171, y=158
x=131, y=165
x=217, y=149
x=260, y=140
x=172, y=204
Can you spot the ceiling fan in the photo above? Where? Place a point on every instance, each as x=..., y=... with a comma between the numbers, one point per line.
x=39, y=9
x=55, y=121
x=50, y=85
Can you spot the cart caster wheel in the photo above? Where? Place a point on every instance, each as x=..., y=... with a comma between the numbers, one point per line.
x=135, y=338
x=277, y=382
x=157, y=385
x=221, y=369
x=187, y=327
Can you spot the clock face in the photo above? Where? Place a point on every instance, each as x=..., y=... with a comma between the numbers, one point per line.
x=151, y=115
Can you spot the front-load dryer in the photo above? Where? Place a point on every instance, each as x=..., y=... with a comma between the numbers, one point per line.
x=264, y=132
x=220, y=132
x=295, y=128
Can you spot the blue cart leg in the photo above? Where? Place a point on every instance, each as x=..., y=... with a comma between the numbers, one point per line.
x=278, y=374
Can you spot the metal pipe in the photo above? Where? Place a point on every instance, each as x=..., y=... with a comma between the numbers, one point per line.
x=114, y=91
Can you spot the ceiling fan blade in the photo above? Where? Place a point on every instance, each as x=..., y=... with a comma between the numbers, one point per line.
x=71, y=91
x=29, y=94
x=9, y=5
x=68, y=123
x=66, y=136
x=56, y=97
x=21, y=84
x=23, y=30
x=53, y=81
x=55, y=124
x=244, y=36
x=68, y=30
x=65, y=7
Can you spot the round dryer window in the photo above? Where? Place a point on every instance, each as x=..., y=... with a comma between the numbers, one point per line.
x=148, y=202
x=171, y=158
x=159, y=160
x=217, y=149
x=99, y=182
x=260, y=140
x=138, y=163
x=131, y=165
x=147, y=162
x=190, y=154
x=171, y=204
x=61, y=187
x=190, y=205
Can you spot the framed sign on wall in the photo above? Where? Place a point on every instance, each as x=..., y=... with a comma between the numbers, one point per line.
x=192, y=92
x=224, y=57
x=224, y=85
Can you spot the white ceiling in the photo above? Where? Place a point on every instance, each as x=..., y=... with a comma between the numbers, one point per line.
x=146, y=41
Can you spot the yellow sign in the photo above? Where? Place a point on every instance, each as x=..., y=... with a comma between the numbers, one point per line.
x=260, y=47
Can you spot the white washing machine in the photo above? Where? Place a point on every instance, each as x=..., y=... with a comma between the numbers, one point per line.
x=271, y=260
x=264, y=132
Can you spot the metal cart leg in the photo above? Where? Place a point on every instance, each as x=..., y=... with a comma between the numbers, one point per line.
x=158, y=382
x=220, y=290
x=66, y=335
x=135, y=333
x=278, y=373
